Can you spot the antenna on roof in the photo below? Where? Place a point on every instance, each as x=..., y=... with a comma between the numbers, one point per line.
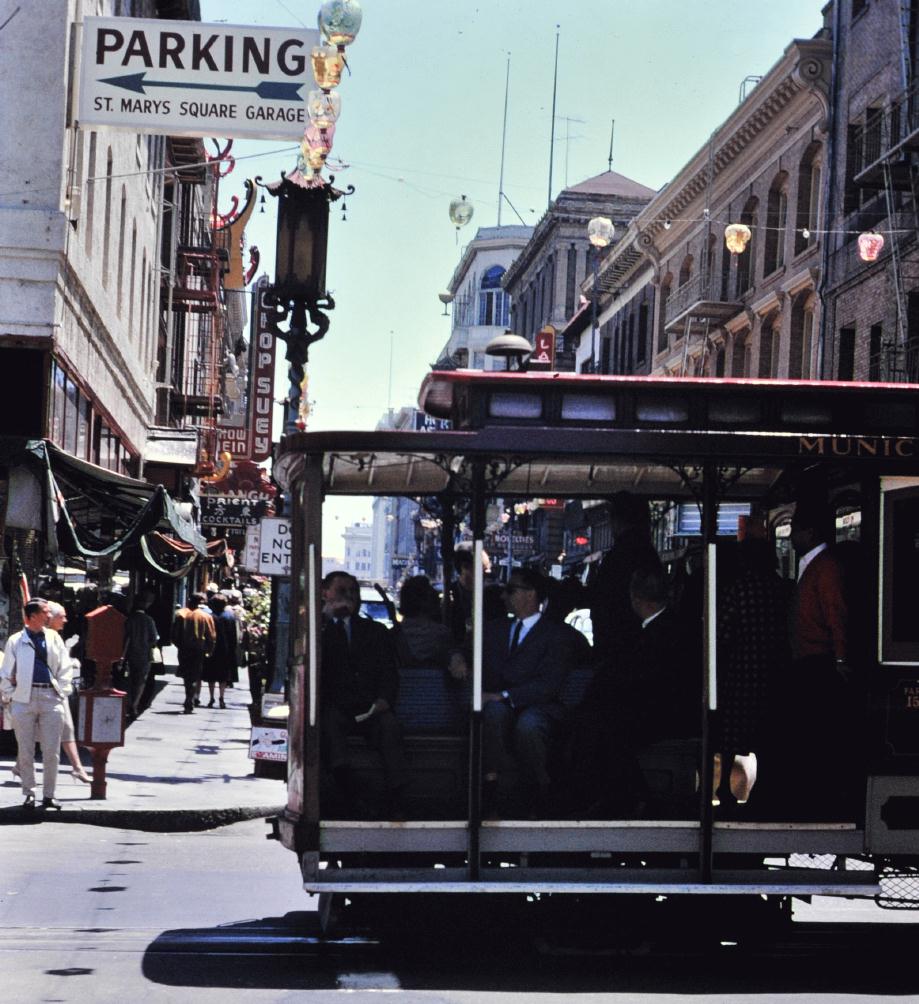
x=552, y=117
x=612, y=132
x=507, y=85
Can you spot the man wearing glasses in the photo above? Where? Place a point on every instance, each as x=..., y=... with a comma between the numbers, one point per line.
x=526, y=658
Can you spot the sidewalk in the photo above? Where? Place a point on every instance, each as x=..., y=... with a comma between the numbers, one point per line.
x=175, y=772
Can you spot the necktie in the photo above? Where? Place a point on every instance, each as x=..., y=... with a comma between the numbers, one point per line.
x=515, y=637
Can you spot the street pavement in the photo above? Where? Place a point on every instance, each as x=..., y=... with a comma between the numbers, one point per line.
x=175, y=772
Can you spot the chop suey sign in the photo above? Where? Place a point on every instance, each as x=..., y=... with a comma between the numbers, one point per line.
x=188, y=78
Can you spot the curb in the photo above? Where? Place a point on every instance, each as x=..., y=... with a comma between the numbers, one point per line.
x=147, y=820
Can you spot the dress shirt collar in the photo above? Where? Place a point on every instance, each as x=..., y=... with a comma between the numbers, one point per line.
x=808, y=558
x=526, y=625
x=648, y=620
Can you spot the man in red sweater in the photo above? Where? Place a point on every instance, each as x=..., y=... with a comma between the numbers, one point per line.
x=821, y=682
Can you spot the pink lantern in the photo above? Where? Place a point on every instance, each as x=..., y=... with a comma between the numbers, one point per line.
x=870, y=245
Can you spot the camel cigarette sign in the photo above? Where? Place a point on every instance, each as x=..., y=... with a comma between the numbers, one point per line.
x=193, y=79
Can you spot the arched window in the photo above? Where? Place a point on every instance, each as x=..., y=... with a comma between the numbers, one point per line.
x=726, y=259
x=776, y=221
x=801, y=336
x=769, y=348
x=685, y=271
x=719, y=362
x=494, y=303
x=808, y=209
x=745, y=260
x=708, y=278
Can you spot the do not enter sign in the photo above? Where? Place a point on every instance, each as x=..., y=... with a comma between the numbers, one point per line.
x=275, y=547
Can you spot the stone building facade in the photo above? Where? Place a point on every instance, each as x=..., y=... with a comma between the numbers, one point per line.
x=544, y=280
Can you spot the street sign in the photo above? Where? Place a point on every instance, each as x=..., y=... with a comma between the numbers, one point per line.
x=193, y=79
x=275, y=547
x=543, y=356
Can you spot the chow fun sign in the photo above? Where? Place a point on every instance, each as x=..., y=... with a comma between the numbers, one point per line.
x=193, y=79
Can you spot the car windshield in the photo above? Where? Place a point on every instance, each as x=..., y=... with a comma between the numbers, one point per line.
x=375, y=609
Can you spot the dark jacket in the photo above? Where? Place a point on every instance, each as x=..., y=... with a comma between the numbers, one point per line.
x=535, y=672
x=354, y=676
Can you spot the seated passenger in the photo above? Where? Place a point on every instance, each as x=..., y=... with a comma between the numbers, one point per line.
x=360, y=682
x=421, y=638
x=652, y=695
x=525, y=662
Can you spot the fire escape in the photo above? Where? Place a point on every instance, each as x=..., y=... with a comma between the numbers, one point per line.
x=884, y=183
x=192, y=289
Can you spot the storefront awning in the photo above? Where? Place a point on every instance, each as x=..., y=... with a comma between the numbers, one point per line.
x=99, y=513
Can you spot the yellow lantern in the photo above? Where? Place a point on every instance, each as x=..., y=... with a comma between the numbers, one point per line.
x=327, y=63
x=736, y=237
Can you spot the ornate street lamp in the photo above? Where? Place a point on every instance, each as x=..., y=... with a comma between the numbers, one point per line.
x=600, y=234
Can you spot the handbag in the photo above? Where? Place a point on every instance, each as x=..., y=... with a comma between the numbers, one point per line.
x=156, y=656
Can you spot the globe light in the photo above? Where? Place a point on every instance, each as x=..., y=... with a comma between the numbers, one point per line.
x=600, y=231
x=460, y=212
x=870, y=245
x=340, y=21
x=323, y=108
x=327, y=64
x=736, y=237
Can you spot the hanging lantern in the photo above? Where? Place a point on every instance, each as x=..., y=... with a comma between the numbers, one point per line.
x=600, y=231
x=323, y=108
x=736, y=237
x=316, y=145
x=870, y=245
x=327, y=64
x=340, y=21
x=460, y=212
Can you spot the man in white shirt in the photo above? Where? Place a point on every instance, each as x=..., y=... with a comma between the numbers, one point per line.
x=35, y=678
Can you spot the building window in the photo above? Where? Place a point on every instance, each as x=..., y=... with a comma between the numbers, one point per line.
x=642, y=347
x=662, y=341
x=802, y=325
x=726, y=259
x=851, y=194
x=571, y=280
x=685, y=272
x=776, y=219
x=807, y=346
x=121, y=229
x=808, y=215
x=719, y=361
x=846, y=363
x=494, y=303
x=58, y=403
x=745, y=260
x=765, y=349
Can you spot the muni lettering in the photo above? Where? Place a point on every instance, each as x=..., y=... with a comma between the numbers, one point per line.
x=857, y=446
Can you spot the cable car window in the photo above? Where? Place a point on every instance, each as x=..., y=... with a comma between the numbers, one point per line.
x=732, y=411
x=502, y=405
x=662, y=409
x=900, y=415
x=587, y=407
x=795, y=412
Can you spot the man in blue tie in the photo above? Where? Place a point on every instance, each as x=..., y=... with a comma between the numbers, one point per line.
x=35, y=679
x=526, y=658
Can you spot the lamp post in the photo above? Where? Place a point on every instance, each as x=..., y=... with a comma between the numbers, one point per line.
x=303, y=211
x=599, y=233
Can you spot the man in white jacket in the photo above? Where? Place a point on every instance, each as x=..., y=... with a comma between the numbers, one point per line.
x=35, y=678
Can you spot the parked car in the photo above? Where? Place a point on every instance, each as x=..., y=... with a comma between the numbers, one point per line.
x=377, y=604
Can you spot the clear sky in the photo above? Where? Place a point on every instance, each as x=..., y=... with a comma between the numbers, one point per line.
x=421, y=123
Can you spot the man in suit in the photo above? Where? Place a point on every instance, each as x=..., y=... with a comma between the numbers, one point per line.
x=360, y=683
x=525, y=662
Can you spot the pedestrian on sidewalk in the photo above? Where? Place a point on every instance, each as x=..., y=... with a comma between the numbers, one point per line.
x=57, y=619
x=140, y=636
x=220, y=666
x=194, y=636
x=35, y=677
